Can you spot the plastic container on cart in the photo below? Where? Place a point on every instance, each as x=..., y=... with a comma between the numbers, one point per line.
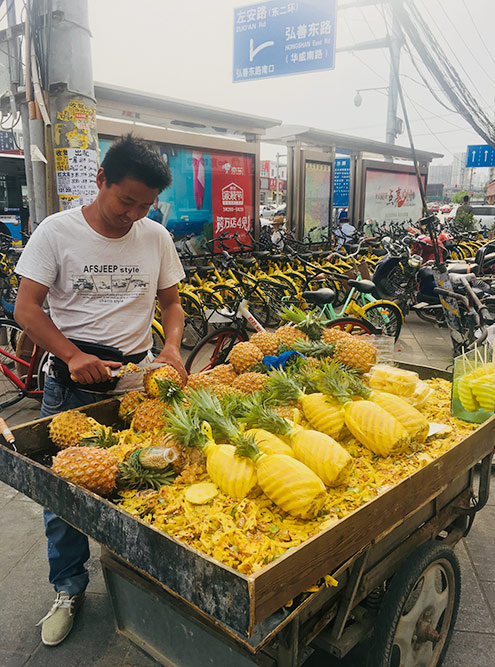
x=473, y=386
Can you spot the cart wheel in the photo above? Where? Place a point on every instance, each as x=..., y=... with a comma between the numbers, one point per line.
x=418, y=611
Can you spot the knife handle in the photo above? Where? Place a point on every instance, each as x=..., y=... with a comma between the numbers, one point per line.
x=109, y=373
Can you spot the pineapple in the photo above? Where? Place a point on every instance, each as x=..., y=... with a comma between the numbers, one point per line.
x=356, y=352
x=223, y=373
x=244, y=356
x=290, y=334
x=196, y=380
x=149, y=415
x=67, y=428
x=92, y=468
x=222, y=390
x=154, y=376
x=129, y=404
x=267, y=342
x=334, y=334
x=250, y=382
x=287, y=411
x=308, y=323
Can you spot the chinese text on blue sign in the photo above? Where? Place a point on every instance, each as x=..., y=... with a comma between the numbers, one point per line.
x=278, y=38
x=480, y=156
x=341, y=182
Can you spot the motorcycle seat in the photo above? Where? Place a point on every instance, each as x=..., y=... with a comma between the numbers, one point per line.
x=462, y=268
x=320, y=296
x=365, y=286
x=261, y=254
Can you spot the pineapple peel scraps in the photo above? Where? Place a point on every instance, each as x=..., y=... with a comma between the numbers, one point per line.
x=249, y=534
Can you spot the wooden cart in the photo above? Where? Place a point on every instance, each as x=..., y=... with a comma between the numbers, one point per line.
x=398, y=578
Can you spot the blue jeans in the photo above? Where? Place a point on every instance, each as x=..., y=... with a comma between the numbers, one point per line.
x=68, y=549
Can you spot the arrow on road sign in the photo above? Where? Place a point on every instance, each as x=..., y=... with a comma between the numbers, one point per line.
x=253, y=52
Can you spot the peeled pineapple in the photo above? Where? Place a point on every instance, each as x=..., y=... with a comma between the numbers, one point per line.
x=67, y=428
x=90, y=467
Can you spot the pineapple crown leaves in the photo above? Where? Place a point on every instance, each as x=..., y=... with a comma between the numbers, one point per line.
x=247, y=448
x=104, y=437
x=132, y=475
x=169, y=391
x=234, y=406
x=208, y=408
x=317, y=349
x=308, y=322
x=308, y=379
x=332, y=380
x=260, y=416
x=355, y=383
x=281, y=388
x=185, y=426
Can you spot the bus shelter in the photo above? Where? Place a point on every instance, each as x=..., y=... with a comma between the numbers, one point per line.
x=366, y=179
x=214, y=156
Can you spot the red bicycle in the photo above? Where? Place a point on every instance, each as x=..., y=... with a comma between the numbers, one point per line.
x=21, y=363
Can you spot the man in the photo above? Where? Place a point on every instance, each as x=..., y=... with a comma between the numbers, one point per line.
x=83, y=260
x=344, y=232
x=465, y=207
x=278, y=236
x=155, y=213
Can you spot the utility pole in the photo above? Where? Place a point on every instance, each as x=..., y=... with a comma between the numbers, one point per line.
x=58, y=109
x=277, y=181
x=393, y=122
x=74, y=138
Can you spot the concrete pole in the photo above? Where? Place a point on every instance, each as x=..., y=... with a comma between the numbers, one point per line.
x=393, y=89
x=72, y=105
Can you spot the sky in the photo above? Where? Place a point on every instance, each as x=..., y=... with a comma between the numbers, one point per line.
x=183, y=49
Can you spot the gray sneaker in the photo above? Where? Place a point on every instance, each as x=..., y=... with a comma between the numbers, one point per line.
x=57, y=624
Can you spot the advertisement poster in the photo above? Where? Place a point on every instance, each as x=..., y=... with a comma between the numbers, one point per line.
x=232, y=197
x=391, y=196
x=317, y=198
x=211, y=193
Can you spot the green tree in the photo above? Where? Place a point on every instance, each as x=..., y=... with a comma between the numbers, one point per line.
x=459, y=196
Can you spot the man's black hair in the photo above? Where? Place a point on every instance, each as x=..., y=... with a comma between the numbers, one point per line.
x=130, y=157
x=465, y=198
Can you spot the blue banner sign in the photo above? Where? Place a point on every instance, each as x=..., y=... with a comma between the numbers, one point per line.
x=480, y=156
x=341, y=182
x=277, y=38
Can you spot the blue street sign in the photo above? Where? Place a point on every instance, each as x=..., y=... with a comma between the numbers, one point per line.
x=277, y=38
x=480, y=156
x=341, y=180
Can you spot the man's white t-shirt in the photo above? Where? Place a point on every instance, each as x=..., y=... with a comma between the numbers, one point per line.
x=101, y=290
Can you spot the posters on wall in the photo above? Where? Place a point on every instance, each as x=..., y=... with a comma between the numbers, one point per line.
x=391, y=196
x=211, y=194
x=317, y=198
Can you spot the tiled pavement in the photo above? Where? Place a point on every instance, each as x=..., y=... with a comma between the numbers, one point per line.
x=25, y=593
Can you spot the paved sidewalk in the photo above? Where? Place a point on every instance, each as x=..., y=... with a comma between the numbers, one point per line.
x=25, y=594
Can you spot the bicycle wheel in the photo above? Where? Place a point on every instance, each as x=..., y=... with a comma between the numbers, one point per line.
x=195, y=324
x=158, y=338
x=353, y=326
x=385, y=316
x=277, y=296
x=10, y=336
x=214, y=349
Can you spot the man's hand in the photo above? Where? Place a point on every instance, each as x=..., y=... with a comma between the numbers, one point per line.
x=89, y=369
x=171, y=355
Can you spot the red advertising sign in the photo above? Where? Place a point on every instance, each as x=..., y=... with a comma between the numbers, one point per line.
x=232, y=198
x=281, y=184
x=265, y=168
